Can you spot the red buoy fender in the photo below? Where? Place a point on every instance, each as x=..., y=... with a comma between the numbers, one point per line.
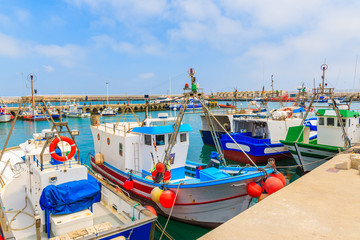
x=254, y=190
x=55, y=142
x=291, y=112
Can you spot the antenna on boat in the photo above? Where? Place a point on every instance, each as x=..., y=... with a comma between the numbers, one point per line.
x=321, y=90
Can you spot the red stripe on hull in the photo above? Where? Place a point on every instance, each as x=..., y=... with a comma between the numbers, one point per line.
x=119, y=179
x=217, y=200
x=241, y=157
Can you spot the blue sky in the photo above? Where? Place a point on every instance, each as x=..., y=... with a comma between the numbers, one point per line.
x=75, y=46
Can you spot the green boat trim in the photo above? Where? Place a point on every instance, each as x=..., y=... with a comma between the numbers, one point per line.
x=306, y=154
x=315, y=146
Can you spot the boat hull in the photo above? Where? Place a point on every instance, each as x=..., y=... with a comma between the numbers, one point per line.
x=239, y=156
x=206, y=204
x=5, y=118
x=207, y=137
x=310, y=156
x=226, y=106
x=35, y=118
x=259, y=150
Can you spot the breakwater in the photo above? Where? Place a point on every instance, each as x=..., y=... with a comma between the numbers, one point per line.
x=97, y=107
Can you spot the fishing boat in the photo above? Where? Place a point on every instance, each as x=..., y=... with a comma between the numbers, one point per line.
x=75, y=110
x=107, y=112
x=194, y=104
x=47, y=193
x=337, y=130
x=149, y=159
x=227, y=105
x=33, y=114
x=311, y=153
x=162, y=99
x=52, y=111
x=259, y=137
x=5, y=115
x=225, y=121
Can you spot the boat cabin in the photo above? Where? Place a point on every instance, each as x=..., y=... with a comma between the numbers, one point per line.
x=329, y=128
x=127, y=145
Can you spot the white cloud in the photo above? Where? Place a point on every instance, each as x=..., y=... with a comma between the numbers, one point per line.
x=146, y=75
x=48, y=68
x=124, y=10
x=68, y=55
x=22, y=15
x=10, y=46
x=146, y=46
x=4, y=20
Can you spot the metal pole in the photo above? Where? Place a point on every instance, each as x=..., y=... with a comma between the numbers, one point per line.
x=32, y=96
x=107, y=93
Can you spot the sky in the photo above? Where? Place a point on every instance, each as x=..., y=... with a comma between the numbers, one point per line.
x=147, y=46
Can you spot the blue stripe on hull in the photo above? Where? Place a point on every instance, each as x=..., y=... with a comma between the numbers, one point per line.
x=255, y=146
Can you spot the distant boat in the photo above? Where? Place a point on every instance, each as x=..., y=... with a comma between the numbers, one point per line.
x=5, y=115
x=162, y=99
x=75, y=110
x=192, y=105
x=227, y=105
x=52, y=110
x=33, y=115
x=107, y=112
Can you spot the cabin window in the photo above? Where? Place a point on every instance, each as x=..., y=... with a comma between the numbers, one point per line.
x=183, y=137
x=321, y=121
x=120, y=149
x=147, y=139
x=160, y=140
x=344, y=122
x=170, y=138
x=330, y=121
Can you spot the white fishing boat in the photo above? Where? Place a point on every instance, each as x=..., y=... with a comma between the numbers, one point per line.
x=149, y=159
x=5, y=115
x=162, y=99
x=337, y=130
x=108, y=112
x=75, y=110
x=47, y=193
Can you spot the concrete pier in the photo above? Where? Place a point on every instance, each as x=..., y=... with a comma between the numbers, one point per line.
x=323, y=204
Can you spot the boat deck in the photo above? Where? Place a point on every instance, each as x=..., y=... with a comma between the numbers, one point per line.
x=323, y=204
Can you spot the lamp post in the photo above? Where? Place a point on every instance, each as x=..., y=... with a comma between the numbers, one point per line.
x=107, y=93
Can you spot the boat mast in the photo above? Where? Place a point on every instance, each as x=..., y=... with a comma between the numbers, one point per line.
x=323, y=90
x=32, y=95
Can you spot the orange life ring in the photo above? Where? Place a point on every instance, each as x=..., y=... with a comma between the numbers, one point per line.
x=55, y=142
x=291, y=112
x=108, y=141
x=98, y=136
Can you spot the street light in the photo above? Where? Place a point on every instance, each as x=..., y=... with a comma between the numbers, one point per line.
x=107, y=93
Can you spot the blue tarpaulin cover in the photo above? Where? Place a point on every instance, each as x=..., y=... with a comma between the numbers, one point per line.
x=70, y=197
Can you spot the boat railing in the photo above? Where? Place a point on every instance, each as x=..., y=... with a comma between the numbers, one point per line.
x=118, y=129
x=53, y=164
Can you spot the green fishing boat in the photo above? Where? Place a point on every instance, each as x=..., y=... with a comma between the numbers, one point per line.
x=333, y=136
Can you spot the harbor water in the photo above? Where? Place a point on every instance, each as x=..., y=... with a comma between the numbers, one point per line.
x=197, y=153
